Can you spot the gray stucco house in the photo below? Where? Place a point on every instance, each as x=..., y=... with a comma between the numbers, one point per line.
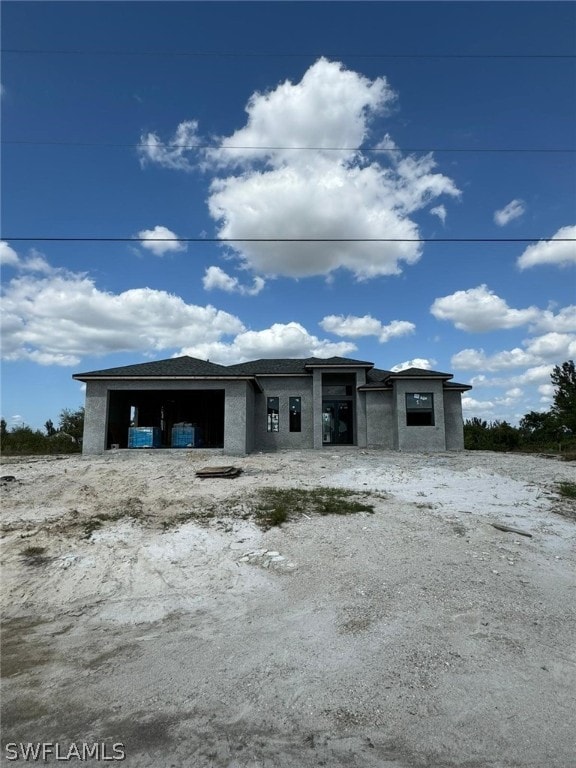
x=272, y=404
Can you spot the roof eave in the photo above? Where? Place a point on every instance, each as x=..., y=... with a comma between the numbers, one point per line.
x=167, y=377
x=418, y=377
x=339, y=366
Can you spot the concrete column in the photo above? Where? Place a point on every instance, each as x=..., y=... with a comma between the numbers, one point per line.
x=95, y=418
x=235, y=402
x=317, y=406
x=454, y=421
x=360, y=410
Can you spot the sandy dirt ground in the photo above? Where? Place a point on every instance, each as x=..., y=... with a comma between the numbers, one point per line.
x=144, y=606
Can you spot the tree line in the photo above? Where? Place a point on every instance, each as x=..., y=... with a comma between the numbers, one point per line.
x=551, y=431
x=66, y=437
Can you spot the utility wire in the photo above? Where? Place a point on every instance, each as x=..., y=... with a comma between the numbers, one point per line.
x=73, y=239
x=543, y=150
x=279, y=54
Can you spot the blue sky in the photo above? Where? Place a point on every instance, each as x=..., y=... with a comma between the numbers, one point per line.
x=340, y=120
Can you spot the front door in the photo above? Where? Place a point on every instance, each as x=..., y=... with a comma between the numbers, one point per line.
x=337, y=422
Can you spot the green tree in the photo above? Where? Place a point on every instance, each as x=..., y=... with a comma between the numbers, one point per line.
x=476, y=437
x=539, y=428
x=495, y=436
x=72, y=423
x=49, y=427
x=24, y=440
x=503, y=436
x=564, y=408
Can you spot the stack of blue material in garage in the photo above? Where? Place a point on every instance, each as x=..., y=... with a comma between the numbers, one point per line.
x=144, y=437
x=186, y=436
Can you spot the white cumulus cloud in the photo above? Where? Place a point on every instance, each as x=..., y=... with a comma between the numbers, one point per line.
x=513, y=210
x=33, y=262
x=558, y=250
x=471, y=405
x=533, y=375
x=417, y=362
x=480, y=309
x=355, y=327
x=538, y=351
x=394, y=329
x=216, y=279
x=296, y=171
x=553, y=346
x=564, y=321
x=280, y=340
x=440, y=211
x=173, y=154
x=59, y=318
x=351, y=326
x=160, y=241
x=330, y=107
x=470, y=359
x=8, y=256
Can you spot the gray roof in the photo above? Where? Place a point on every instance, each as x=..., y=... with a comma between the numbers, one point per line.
x=279, y=366
x=272, y=366
x=192, y=367
x=416, y=373
x=336, y=361
x=174, y=366
x=377, y=379
x=377, y=375
x=455, y=385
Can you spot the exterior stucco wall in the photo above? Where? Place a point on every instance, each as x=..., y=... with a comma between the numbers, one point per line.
x=361, y=437
x=236, y=440
x=454, y=421
x=284, y=388
x=317, y=407
x=380, y=418
x=250, y=406
x=95, y=418
x=420, y=438
x=238, y=436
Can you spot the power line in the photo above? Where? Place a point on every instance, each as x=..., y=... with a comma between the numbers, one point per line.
x=135, y=145
x=81, y=239
x=279, y=54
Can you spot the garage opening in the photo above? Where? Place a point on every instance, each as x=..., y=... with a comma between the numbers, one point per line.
x=202, y=409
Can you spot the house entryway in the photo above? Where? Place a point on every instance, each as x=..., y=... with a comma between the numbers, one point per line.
x=337, y=422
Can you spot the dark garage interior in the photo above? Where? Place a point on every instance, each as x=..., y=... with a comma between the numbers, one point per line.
x=203, y=409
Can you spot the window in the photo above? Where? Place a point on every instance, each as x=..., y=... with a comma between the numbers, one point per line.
x=273, y=422
x=295, y=414
x=420, y=409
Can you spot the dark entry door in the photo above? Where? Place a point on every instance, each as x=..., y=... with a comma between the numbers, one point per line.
x=337, y=422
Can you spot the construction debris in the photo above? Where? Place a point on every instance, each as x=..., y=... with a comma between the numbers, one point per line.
x=229, y=471
x=510, y=529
